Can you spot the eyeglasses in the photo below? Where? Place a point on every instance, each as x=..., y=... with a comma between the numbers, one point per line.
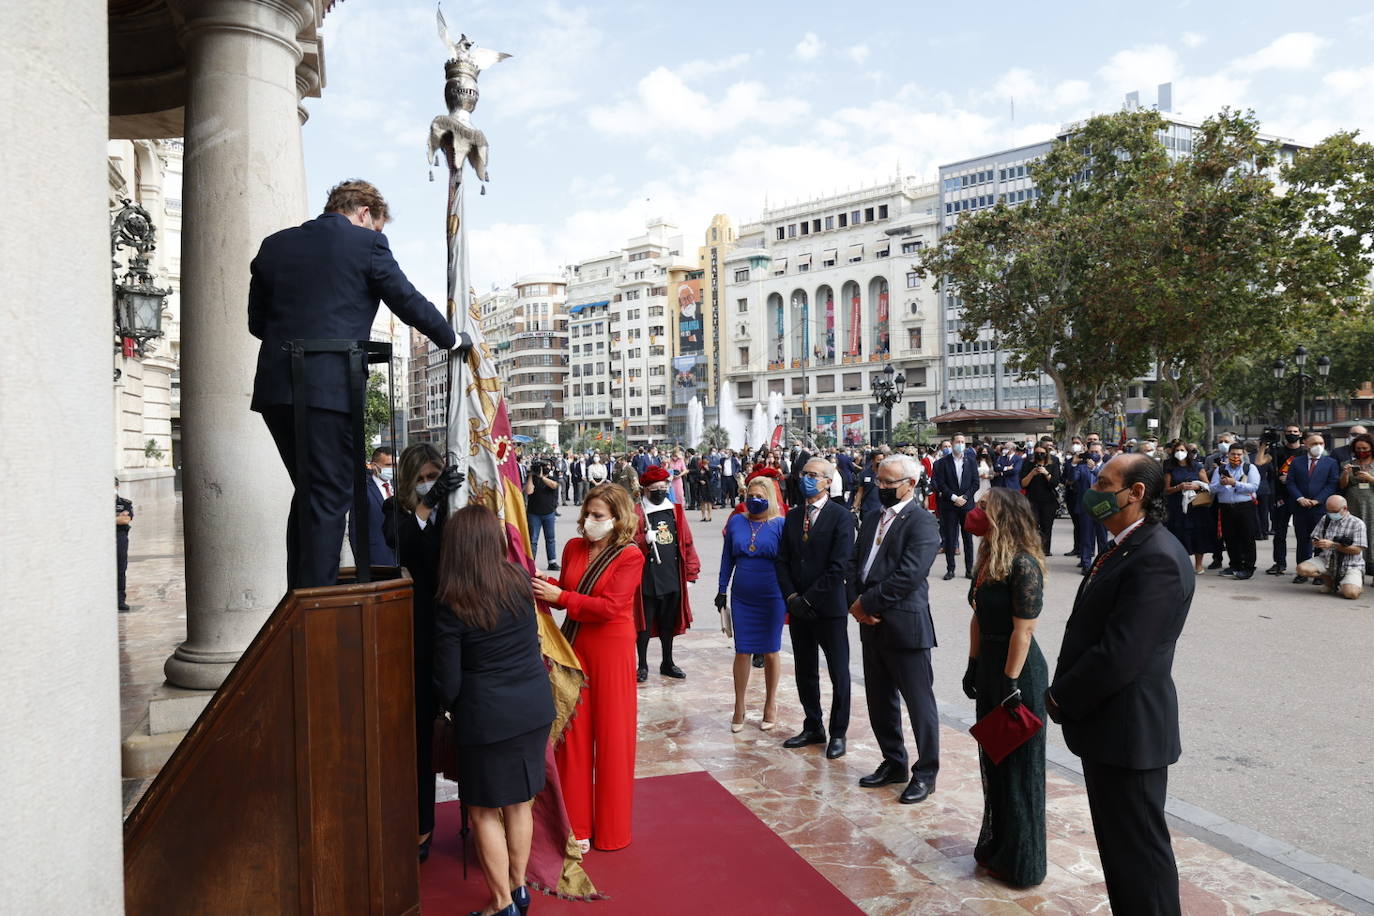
x=888, y=484
x=814, y=475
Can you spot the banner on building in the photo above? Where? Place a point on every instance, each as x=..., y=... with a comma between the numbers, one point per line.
x=853, y=429
x=882, y=337
x=825, y=424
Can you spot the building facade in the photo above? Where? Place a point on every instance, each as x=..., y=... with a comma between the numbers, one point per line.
x=821, y=295
x=527, y=327
x=620, y=337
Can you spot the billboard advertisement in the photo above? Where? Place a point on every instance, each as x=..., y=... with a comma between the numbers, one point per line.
x=853, y=429
x=689, y=361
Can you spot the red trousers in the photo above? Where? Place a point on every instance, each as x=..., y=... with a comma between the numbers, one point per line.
x=596, y=761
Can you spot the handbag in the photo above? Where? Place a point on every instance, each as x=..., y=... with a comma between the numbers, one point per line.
x=727, y=622
x=1000, y=732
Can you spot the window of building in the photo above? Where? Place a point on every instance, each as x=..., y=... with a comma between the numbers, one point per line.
x=600, y=387
x=805, y=228
x=913, y=342
x=744, y=356
x=657, y=370
x=825, y=383
x=913, y=280
x=658, y=291
x=775, y=384
x=911, y=247
x=830, y=222
x=882, y=211
x=792, y=231
x=854, y=216
x=656, y=351
x=656, y=391
x=816, y=225
x=853, y=381
x=655, y=311
x=799, y=384
x=782, y=233
x=742, y=305
x=657, y=409
x=744, y=390
x=741, y=275
x=844, y=220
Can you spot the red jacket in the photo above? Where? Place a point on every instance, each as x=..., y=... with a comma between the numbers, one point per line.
x=687, y=570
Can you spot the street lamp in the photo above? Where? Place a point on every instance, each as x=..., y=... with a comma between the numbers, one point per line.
x=1302, y=379
x=137, y=302
x=888, y=386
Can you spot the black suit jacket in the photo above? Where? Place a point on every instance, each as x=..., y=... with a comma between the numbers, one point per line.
x=492, y=681
x=948, y=486
x=322, y=280
x=895, y=589
x=1113, y=681
x=818, y=568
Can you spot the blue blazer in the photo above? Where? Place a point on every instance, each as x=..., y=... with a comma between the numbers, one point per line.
x=1319, y=485
x=323, y=280
x=947, y=486
x=381, y=553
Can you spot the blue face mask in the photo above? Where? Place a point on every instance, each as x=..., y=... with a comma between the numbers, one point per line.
x=1334, y=516
x=810, y=486
x=756, y=505
x=945, y=450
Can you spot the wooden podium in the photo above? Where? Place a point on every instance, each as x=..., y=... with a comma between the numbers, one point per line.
x=294, y=792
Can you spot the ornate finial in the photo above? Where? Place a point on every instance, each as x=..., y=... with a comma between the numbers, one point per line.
x=453, y=133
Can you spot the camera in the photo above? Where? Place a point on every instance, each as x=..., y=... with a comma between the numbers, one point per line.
x=1271, y=436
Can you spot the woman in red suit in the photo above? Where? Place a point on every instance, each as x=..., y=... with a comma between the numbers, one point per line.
x=599, y=581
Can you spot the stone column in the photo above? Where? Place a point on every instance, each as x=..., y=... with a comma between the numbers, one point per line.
x=60, y=849
x=244, y=179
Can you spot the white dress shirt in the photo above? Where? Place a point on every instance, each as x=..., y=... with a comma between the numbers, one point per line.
x=884, y=523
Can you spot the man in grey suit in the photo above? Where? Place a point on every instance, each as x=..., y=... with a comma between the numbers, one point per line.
x=889, y=597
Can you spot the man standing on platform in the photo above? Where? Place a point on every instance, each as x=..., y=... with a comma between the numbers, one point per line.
x=1113, y=691
x=814, y=562
x=890, y=599
x=956, y=486
x=322, y=281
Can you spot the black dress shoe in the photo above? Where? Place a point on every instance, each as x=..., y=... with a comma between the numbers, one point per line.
x=886, y=774
x=1227, y=573
x=757, y=660
x=1215, y=564
x=802, y=739
x=671, y=671
x=835, y=749
x=968, y=574
x=1299, y=580
x=642, y=675
x=915, y=791
x=1244, y=573
x=949, y=575
x=1070, y=553
x=1276, y=570
x=521, y=898
x=553, y=566
x=123, y=606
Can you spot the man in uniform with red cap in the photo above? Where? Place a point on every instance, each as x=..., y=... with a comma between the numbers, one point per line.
x=663, y=608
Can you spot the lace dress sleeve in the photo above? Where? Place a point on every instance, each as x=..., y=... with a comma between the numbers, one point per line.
x=1027, y=587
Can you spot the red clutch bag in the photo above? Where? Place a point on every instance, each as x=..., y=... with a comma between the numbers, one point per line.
x=1001, y=732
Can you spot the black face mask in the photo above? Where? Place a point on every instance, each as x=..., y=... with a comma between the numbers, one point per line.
x=888, y=497
x=1293, y=438
x=657, y=496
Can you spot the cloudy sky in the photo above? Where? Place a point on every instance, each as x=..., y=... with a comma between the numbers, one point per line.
x=610, y=113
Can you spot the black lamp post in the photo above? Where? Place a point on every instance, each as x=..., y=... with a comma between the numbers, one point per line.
x=138, y=302
x=887, y=390
x=1302, y=379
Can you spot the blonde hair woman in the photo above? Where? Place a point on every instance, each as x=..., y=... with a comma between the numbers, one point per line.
x=1006, y=668
x=751, y=549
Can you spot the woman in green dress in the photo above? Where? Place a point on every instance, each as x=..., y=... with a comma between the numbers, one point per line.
x=1005, y=668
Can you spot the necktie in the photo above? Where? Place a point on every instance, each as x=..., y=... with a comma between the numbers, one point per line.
x=1312, y=467
x=888, y=516
x=386, y=487
x=806, y=522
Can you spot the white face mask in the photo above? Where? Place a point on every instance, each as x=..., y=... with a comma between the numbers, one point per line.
x=1316, y=451
x=1076, y=447
x=1180, y=455
x=597, y=528
x=386, y=472
x=423, y=487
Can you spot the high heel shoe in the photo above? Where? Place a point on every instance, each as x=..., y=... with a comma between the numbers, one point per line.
x=736, y=727
x=768, y=724
x=511, y=910
x=521, y=898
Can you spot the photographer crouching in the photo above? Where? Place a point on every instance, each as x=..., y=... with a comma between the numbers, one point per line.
x=1339, y=540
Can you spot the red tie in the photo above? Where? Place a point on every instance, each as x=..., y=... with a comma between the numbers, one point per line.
x=386, y=487
x=1311, y=468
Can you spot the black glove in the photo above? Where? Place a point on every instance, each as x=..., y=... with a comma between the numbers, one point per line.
x=464, y=344
x=800, y=608
x=1012, y=692
x=448, y=482
x=720, y=601
x=970, y=675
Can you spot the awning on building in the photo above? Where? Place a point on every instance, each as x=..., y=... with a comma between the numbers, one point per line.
x=856, y=252
x=587, y=305
x=881, y=247
x=829, y=254
x=779, y=265
x=804, y=261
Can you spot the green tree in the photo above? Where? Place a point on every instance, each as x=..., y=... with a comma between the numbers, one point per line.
x=376, y=412
x=1056, y=280
x=713, y=436
x=1249, y=256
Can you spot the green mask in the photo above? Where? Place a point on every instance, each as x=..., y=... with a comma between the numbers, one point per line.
x=1102, y=505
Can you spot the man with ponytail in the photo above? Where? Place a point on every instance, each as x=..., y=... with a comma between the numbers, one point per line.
x=1112, y=689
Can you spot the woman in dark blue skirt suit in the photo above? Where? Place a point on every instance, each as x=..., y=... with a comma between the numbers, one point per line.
x=751, y=547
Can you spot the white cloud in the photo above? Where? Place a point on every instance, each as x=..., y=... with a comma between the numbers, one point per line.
x=1193, y=39
x=663, y=101
x=809, y=48
x=1294, y=51
x=1135, y=68
x=858, y=53
x=1351, y=82
x=556, y=46
x=696, y=69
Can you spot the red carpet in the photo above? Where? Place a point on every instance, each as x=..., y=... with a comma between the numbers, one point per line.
x=696, y=850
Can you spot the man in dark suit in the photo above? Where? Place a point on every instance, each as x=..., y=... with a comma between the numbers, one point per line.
x=1112, y=690
x=889, y=598
x=1312, y=478
x=379, y=490
x=956, y=485
x=814, y=560
x=323, y=280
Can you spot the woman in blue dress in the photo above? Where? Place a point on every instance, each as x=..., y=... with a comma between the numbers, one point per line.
x=751, y=547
